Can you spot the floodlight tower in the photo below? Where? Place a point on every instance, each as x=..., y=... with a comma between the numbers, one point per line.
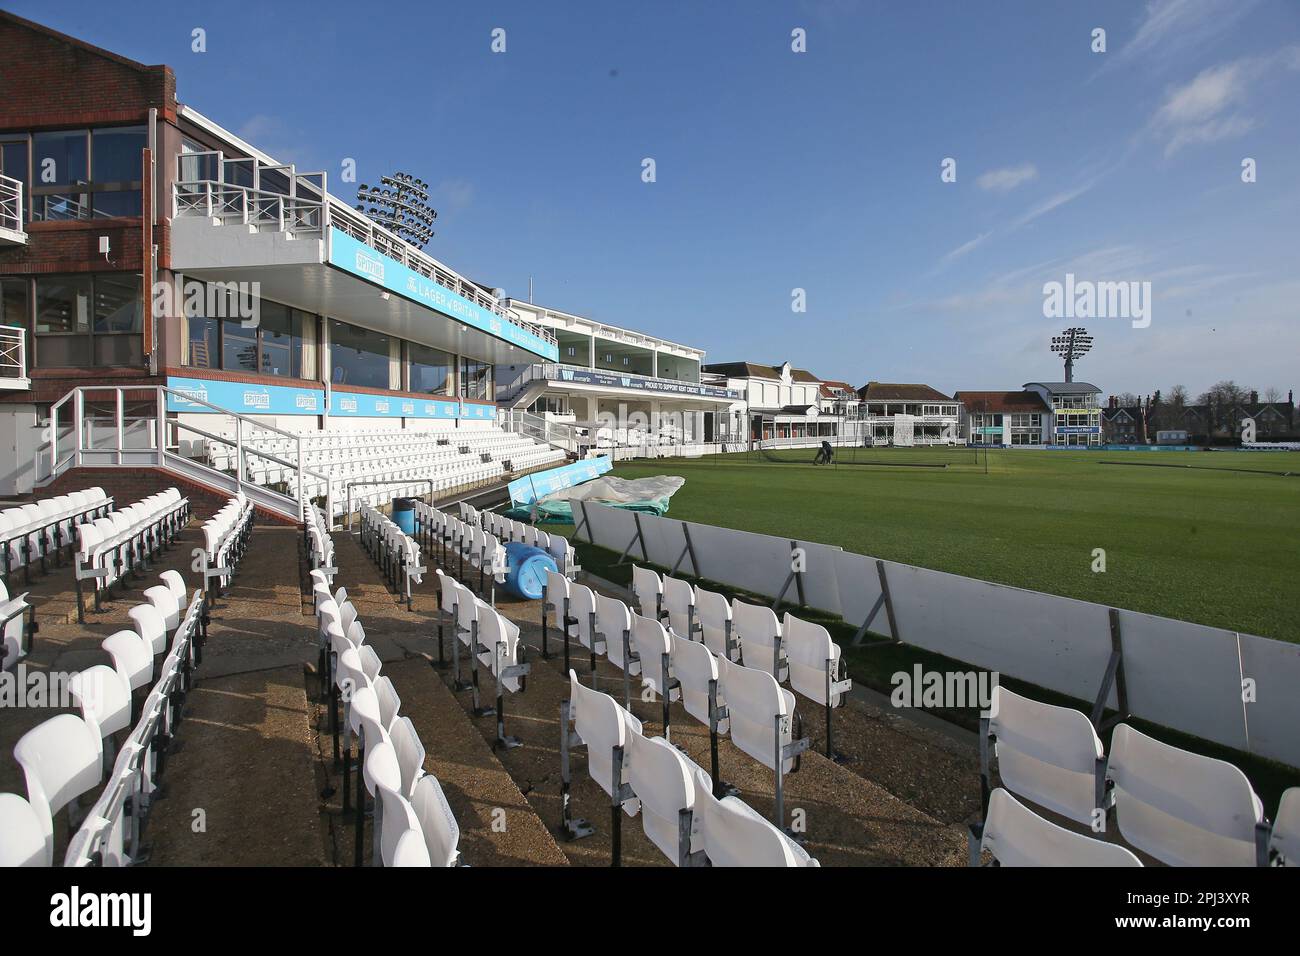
x=1070, y=345
x=402, y=207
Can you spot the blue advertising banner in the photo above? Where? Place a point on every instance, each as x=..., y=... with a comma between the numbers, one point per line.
x=588, y=376
x=290, y=400
x=526, y=490
x=352, y=255
x=245, y=399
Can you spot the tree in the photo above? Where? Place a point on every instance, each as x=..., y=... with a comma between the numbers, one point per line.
x=1127, y=400
x=1272, y=394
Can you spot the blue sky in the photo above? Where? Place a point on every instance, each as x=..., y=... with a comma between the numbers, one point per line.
x=820, y=170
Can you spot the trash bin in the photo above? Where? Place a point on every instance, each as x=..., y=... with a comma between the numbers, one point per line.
x=526, y=568
x=404, y=514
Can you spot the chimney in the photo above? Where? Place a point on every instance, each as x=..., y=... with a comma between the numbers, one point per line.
x=1254, y=397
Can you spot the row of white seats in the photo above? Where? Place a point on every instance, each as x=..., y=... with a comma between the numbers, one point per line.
x=225, y=540
x=320, y=546
x=120, y=544
x=65, y=757
x=680, y=812
x=395, y=551
x=509, y=530
x=492, y=641
x=17, y=628
x=744, y=703
x=35, y=531
x=462, y=541
x=791, y=649
x=413, y=824
x=1181, y=808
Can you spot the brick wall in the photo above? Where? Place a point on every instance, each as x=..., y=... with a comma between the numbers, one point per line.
x=53, y=80
x=128, y=485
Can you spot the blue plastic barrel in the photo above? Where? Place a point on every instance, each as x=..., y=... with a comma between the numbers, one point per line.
x=404, y=514
x=526, y=568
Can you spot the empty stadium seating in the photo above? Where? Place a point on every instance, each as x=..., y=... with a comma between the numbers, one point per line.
x=41, y=529
x=119, y=544
x=674, y=797
x=380, y=464
x=68, y=755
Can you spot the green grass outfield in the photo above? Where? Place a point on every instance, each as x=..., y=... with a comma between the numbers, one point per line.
x=1218, y=547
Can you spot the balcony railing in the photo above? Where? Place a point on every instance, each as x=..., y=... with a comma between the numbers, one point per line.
x=11, y=210
x=298, y=203
x=13, y=358
x=583, y=375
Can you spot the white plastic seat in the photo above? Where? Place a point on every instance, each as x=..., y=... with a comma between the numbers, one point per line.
x=61, y=759
x=1046, y=754
x=1180, y=807
x=758, y=632
x=696, y=671
x=661, y=779
x=735, y=834
x=603, y=726
x=438, y=827
x=399, y=819
x=713, y=612
x=132, y=658
x=649, y=590
x=1284, y=841
x=1016, y=836
x=104, y=698
x=149, y=624
x=22, y=836
x=166, y=603
x=654, y=651
x=761, y=716
x=679, y=603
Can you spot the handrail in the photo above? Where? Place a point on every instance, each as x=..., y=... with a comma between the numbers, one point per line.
x=13, y=352
x=160, y=449
x=11, y=203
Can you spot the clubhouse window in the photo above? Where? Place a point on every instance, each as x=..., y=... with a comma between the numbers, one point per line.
x=218, y=339
x=430, y=369
x=85, y=174
x=89, y=320
x=474, y=377
x=359, y=356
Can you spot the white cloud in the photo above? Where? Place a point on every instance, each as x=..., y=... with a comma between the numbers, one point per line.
x=1008, y=178
x=1171, y=28
x=965, y=247
x=1050, y=203
x=1206, y=96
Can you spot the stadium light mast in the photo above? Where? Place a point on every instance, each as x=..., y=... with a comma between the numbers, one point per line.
x=400, y=204
x=1070, y=345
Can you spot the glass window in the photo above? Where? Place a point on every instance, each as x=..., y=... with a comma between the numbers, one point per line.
x=430, y=369
x=358, y=356
x=118, y=304
x=63, y=305
x=474, y=378
x=13, y=302
x=281, y=329
x=60, y=161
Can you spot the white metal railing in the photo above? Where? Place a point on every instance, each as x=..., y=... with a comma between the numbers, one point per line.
x=11, y=204
x=310, y=214
x=99, y=433
x=554, y=372
x=13, y=357
x=541, y=429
